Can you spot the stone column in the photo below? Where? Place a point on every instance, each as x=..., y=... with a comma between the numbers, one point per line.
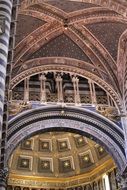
x=92, y=92
x=10, y=95
x=42, y=88
x=26, y=89
x=59, y=88
x=5, y=21
x=75, y=82
x=108, y=100
x=3, y=178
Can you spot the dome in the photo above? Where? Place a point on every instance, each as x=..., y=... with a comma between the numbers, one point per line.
x=59, y=156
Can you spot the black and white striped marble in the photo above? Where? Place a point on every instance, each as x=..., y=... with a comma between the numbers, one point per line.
x=5, y=12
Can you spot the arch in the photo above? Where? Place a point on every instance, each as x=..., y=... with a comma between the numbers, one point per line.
x=122, y=66
x=81, y=120
x=62, y=64
x=103, y=59
x=119, y=7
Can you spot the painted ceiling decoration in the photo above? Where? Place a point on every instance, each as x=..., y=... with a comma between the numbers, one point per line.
x=66, y=75
x=85, y=36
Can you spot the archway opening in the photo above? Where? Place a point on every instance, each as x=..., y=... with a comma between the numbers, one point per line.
x=60, y=160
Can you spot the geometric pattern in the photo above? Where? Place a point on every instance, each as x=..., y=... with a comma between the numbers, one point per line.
x=65, y=150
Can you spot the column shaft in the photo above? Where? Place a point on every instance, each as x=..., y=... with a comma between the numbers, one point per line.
x=26, y=90
x=5, y=14
x=59, y=88
x=43, y=88
x=75, y=82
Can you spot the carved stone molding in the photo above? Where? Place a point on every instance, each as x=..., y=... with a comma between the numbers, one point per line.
x=115, y=5
x=36, y=66
x=58, y=118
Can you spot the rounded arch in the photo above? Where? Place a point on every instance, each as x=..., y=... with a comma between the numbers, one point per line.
x=80, y=120
x=61, y=64
x=110, y=4
x=122, y=66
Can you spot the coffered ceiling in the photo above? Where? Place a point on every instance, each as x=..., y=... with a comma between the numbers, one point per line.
x=58, y=155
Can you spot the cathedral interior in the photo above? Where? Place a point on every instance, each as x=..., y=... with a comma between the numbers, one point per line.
x=63, y=95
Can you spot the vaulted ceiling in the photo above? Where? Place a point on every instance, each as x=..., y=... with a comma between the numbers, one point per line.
x=87, y=33
x=74, y=36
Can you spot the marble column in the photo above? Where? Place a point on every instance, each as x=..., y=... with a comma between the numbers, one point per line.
x=59, y=88
x=42, y=88
x=75, y=82
x=5, y=18
x=5, y=23
x=26, y=89
x=92, y=91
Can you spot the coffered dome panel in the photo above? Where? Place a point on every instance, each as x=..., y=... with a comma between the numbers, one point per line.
x=57, y=154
